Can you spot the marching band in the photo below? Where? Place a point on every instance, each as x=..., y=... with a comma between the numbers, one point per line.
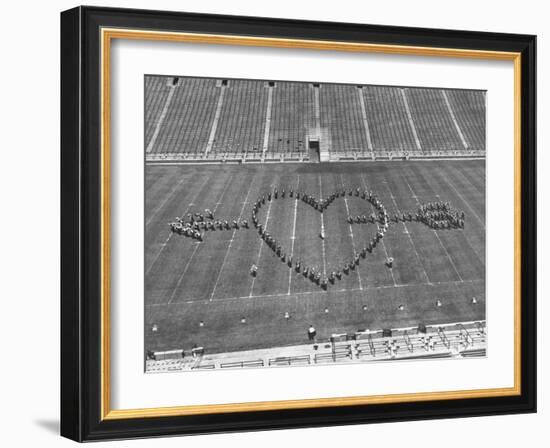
x=437, y=215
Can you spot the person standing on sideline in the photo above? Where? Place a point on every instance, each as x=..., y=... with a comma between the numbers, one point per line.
x=311, y=333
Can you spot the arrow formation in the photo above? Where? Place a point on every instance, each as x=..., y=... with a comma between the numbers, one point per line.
x=436, y=215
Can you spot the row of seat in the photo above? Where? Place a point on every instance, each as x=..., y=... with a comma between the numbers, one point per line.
x=195, y=119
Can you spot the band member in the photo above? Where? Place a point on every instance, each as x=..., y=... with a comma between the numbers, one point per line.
x=311, y=333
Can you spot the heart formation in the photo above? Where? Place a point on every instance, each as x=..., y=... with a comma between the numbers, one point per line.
x=381, y=217
x=437, y=215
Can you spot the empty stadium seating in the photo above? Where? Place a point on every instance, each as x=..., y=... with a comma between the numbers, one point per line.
x=246, y=120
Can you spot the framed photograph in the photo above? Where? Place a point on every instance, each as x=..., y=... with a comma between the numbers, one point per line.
x=272, y=224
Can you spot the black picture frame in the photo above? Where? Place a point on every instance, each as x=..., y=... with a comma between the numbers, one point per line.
x=81, y=224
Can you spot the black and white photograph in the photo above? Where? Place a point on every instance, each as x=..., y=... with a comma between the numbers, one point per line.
x=302, y=223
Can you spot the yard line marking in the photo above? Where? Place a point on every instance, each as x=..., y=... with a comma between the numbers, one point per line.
x=182, y=275
x=171, y=233
x=457, y=127
x=262, y=242
x=163, y=203
x=382, y=240
x=351, y=235
x=322, y=227
x=161, y=119
x=305, y=293
x=197, y=245
x=411, y=122
x=215, y=122
x=230, y=244
x=436, y=234
x=407, y=232
x=293, y=236
x=448, y=180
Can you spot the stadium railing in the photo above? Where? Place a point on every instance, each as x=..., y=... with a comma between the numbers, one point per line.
x=289, y=360
x=237, y=364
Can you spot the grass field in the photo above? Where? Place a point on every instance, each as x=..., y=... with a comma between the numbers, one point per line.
x=188, y=281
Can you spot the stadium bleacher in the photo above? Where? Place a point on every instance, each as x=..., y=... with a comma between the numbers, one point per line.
x=248, y=120
x=467, y=339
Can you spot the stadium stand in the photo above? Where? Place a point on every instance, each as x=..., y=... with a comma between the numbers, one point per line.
x=246, y=120
x=242, y=119
x=291, y=116
x=469, y=110
x=341, y=114
x=466, y=339
x=186, y=126
x=434, y=125
x=156, y=92
x=390, y=126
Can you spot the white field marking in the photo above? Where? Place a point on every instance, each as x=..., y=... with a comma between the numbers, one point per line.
x=230, y=244
x=322, y=225
x=382, y=240
x=161, y=119
x=457, y=127
x=408, y=233
x=306, y=293
x=215, y=122
x=480, y=256
x=465, y=202
x=228, y=182
x=293, y=235
x=267, y=120
x=171, y=233
x=436, y=234
x=163, y=203
x=262, y=242
x=411, y=122
x=182, y=275
x=351, y=234
x=365, y=120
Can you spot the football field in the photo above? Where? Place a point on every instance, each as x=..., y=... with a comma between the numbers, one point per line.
x=198, y=292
